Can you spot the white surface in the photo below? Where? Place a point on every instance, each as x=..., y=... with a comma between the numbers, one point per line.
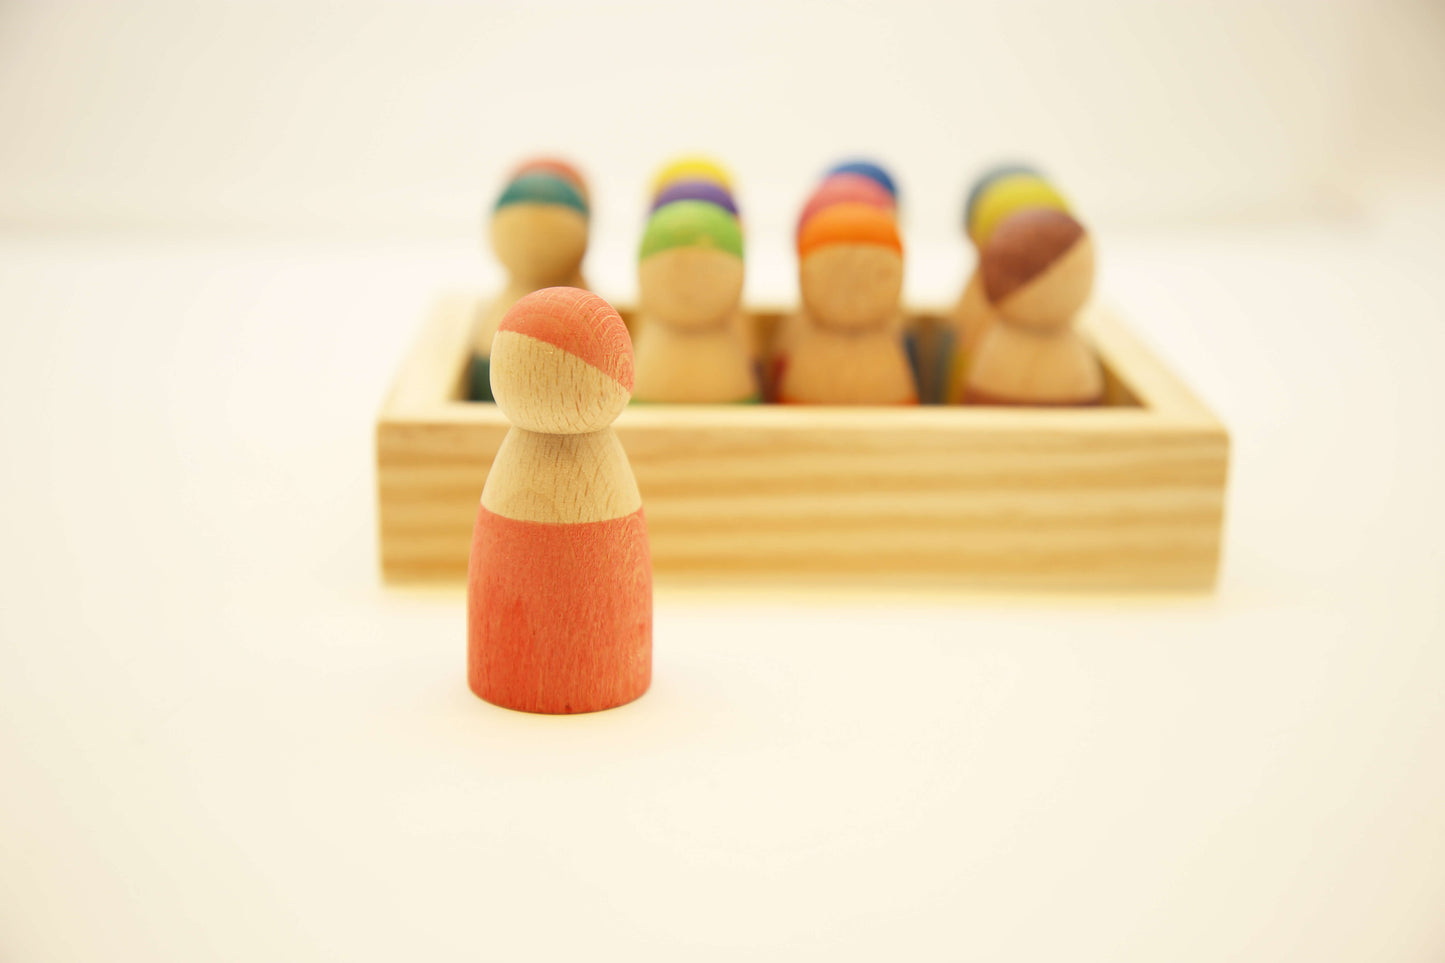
x=397, y=115
x=222, y=739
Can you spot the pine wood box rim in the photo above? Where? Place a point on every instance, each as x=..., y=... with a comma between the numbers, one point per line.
x=1123, y=497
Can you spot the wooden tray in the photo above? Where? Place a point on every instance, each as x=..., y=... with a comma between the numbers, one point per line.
x=1126, y=496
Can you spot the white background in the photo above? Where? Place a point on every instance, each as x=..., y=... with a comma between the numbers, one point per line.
x=222, y=739
x=402, y=116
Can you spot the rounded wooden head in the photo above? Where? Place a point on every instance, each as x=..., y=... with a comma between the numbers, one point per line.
x=690, y=267
x=1006, y=195
x=561, y=362
x=557, y=167
x=851, y=267
x=539, y=230
x=1038, y=268
x=693, y=167
x=870, y=170
x=846, y=189
x=696, y=190
x=690, y=287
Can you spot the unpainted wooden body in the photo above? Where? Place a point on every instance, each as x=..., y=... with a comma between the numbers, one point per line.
x=847, y=349
x=681, y=366
x=831, y=367
x=1015, y=365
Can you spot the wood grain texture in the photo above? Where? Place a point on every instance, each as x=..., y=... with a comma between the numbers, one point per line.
x=561, y=479
x=1128, y=496
x=561, y=362
x=527, y=394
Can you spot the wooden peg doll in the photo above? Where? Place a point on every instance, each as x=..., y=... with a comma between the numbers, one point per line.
x=539, y=233
x=1038, y=271
x=997, y=194
x=851, y=275
x=690, y=284
x=714, y=192
x=840, y=188
x=559, y=585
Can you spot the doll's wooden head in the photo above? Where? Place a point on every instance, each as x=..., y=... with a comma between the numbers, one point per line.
x=1038, y=268
x=690, y=265
x=539, y=230
x=561, y=362
x=850, y=267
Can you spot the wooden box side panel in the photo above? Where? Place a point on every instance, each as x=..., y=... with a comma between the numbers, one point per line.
x=429, y=482
x=1013, y=508
x=998, y=508
x=1127, y=497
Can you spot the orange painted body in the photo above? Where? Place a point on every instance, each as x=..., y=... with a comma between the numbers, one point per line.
x=559, y=617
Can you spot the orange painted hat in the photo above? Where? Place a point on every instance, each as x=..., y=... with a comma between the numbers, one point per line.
x=850, y=223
